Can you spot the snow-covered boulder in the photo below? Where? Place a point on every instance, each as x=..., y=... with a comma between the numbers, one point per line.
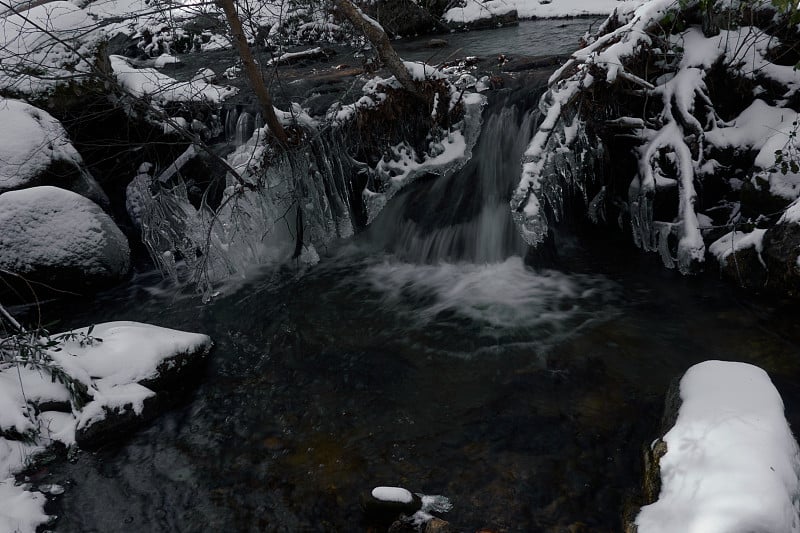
x=729, y=463
x=60, y=238
x=90, y=383
x=35, y=150
x=384, y=505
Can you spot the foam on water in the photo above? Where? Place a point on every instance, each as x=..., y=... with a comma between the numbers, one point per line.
x=507, y=300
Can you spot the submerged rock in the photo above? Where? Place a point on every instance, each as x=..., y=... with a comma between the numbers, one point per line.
x=61, y=239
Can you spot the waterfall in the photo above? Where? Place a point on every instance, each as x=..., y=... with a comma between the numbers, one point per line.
x=465, y=216
x=231, y=118
x=245, y=126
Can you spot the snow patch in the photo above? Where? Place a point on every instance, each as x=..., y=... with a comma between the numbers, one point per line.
x=141, y=82
x=737, y=240
x=392, y=494
x=473, y=10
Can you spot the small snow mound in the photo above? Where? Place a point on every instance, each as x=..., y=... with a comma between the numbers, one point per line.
x=165, y=59
x=392, y=494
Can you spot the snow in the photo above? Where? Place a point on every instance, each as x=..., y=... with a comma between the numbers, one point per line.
x=792, y=213
x=392, y=494
x=166, y=59
x=129, y=352
x=164, y=89
x=288, y=57
x=21, y=511
x=110, y=360
x=30, y=141
x=422, y=71
x=754, y=128
x=51, y=228
x=732, y=464
x=735, y=241
x=474, y=9
x=34, y=61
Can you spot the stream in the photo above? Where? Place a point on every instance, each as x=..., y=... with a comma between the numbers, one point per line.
x=424, y=353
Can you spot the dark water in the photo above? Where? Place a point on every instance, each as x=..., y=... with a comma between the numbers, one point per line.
x=524, y=396
x=422, y=355
x=542, y=37
x=365, y=371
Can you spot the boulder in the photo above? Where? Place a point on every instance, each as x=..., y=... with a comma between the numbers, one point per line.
x=728, y=447
x=60, y=239
x=781, y=254
x=35, y=150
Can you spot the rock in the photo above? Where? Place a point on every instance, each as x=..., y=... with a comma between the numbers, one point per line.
x=437, y=525
x=384, y=505
x=136, y=370
x=35, y=150
x=57, y=237
x=436, y=43
x=724, y=438
x=781, y=253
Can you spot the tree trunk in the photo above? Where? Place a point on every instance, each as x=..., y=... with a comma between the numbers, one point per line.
x=253, y=72
x=374, y=32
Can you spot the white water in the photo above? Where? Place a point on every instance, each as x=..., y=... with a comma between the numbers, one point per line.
x=543, y=308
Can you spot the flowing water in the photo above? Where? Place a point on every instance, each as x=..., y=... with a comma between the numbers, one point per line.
x=424, y=353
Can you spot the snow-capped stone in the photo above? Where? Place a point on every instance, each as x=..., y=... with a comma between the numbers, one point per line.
x=60, y=238
x=731, y=463
x=383, y=505
x=35, y=150
x=166, y=60
x=116, y=370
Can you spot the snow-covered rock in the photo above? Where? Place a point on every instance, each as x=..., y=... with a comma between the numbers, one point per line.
x=35, y=150
x=60, y=238
x=116, y=370
x=384, y=505
x=162, y=89
x=731, y=463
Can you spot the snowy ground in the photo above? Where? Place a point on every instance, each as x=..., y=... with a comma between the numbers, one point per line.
x=732, y=464
x=474, y=9
x=110, y=360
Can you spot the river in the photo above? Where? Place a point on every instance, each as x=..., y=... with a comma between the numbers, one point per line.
x=424, y=353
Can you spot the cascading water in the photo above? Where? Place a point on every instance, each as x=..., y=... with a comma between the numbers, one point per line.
x=231, y=118
x=456, y=256
x=245, y=126
x=465, y=216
